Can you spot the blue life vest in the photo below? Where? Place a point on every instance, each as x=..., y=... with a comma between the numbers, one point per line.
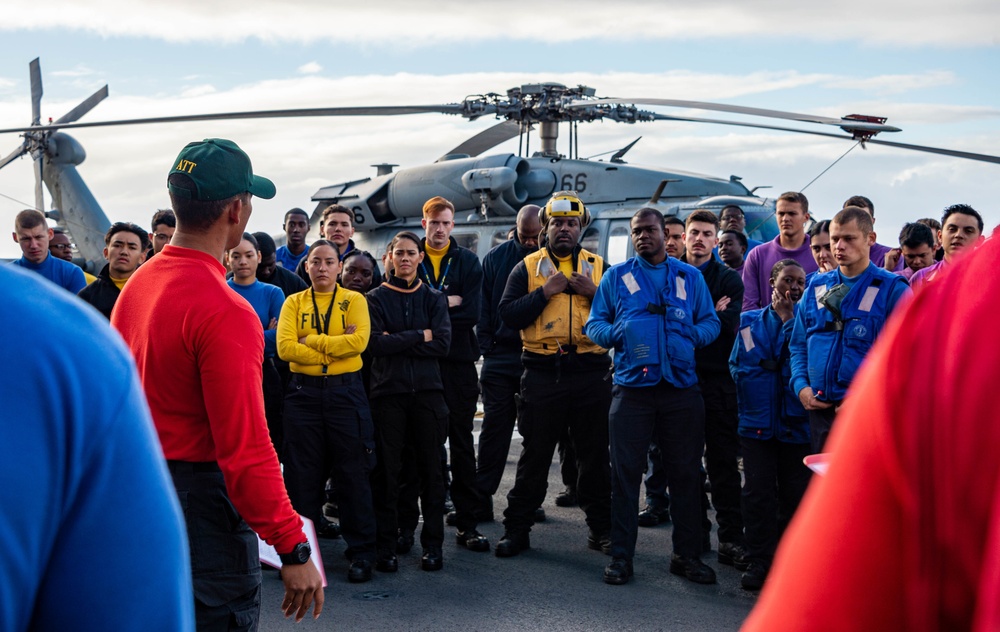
x=760, y=367
x=656, y=328
x=836, y=347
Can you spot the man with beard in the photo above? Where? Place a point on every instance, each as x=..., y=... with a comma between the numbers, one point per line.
x=548, y=298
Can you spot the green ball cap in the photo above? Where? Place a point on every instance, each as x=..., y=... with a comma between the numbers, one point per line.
x=219, y=170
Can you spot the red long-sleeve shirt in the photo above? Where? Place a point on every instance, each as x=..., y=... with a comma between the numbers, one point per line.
x=199, y=351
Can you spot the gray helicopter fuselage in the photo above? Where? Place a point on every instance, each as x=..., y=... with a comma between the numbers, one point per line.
x=74, y=206
x=487, y=191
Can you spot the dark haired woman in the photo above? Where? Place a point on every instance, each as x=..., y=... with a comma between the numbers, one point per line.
x=321, y=333
x=266, y=300
x=773, y=427
x=410, y=331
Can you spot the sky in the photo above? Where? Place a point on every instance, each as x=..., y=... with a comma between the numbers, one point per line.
x=929, y=67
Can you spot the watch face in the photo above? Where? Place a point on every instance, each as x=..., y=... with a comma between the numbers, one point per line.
x=302, y=552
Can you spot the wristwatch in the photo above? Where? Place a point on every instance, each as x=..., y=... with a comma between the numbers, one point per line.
x=299, y=555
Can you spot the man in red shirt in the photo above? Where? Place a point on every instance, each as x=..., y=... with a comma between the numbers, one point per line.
x=199, y=351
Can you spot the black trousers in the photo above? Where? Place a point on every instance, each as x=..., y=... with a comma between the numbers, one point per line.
x=274, y=402
x=551, y=403
x=329, y=433
x=225, y=566
x=820, y=424
x=461, y=392
x=500, y=380
x=776, y=480
x=656, y=479
x=420, y=421
x=722, y=444
x=674, y=419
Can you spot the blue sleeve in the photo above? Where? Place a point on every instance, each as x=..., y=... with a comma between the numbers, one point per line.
x=734, y=366
x=601, y=325
x=899, y=290
x=275, y=300
x=797, y=347
x=75, y=280
x=706, y=321
x=97, y=525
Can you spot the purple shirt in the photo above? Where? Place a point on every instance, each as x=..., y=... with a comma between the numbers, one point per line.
x=927, y=274
x=757, y=270
x=877, y=256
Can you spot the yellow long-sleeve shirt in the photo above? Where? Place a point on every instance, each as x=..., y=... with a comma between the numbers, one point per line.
x=336, y=351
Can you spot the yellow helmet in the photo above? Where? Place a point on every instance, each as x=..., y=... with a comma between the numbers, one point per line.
x=565, y=204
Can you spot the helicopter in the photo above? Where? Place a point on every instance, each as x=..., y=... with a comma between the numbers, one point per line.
x=487, y=190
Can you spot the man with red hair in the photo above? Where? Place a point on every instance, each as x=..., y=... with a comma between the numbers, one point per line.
x=456, y=272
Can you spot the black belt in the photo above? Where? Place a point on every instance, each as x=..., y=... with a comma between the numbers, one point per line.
x=770, y=365
x=178, y=467
x=321, y=381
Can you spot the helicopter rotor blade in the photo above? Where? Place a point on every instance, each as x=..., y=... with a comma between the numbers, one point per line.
x=12, y=156
x=455, y=108
x=85, y=106
x=933, y=150
x=35, y=71
x=487, y=139
x=844, y=123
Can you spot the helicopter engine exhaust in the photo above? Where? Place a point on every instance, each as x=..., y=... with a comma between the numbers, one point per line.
x=502, y=179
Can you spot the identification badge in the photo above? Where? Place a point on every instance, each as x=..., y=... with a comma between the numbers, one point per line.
x=681, y=288
x=545, y=267
x=868, y=299
x=747, y=339
x=820, y=291
x=630, y=283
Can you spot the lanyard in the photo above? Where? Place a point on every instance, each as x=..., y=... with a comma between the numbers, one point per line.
x=444, y=275
x=323, y=326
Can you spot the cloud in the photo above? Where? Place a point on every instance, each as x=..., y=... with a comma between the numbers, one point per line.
x=906, y=23
x=126, y=167
x=197, y=91
x=896, y=84
x=79, y=71
x=310, y=68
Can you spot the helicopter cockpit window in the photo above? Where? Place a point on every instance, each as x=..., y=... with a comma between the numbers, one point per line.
x=618, y=242
x=591, y=239
x=468, y=240
x=498, y=238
